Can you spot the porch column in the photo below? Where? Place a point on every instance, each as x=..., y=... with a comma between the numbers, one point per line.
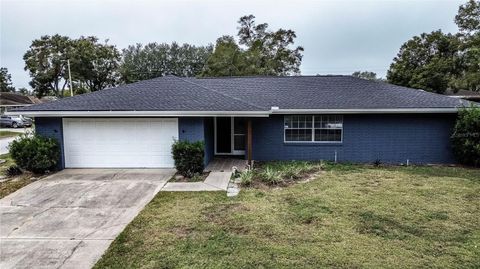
x=249, y=141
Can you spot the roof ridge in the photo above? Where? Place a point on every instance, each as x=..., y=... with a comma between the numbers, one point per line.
x=221, y=93
x=267, y=76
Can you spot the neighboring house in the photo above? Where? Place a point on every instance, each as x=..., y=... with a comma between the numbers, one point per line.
x=464, y=94
x=49, y=98
x=9, y=101
x=261, y=118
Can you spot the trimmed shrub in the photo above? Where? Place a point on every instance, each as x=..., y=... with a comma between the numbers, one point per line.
x=13, y=170
x=466, y=136
x=188, y=157
x=35, y=153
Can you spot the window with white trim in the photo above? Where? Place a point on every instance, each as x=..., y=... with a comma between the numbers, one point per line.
x=313, y=128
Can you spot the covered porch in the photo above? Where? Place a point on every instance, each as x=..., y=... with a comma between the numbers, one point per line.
x=231, y=143
x=226, y=164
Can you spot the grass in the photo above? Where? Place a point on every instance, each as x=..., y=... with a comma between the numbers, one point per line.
x=13, y=183
x=5, y=134
x=350, y=216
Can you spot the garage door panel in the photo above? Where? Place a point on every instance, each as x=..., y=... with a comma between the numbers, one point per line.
x=119, y=142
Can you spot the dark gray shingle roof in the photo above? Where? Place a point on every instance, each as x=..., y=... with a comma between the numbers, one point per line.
x=251, y=94
x=160, y=94
x=326, y=92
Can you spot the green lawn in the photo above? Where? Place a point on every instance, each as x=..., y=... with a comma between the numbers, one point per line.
x=5, y=134
x=347, y=217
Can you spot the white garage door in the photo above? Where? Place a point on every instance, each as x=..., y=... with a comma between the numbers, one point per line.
x=116, y=143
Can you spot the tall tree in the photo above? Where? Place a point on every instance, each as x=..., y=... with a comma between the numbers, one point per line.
x=92, y=64
x=468, y=17
x=5, y=81
x=259, y=52
x=365, y=75
x=46, y=62
x=154, y=60
x=95, y=64
x=427, y=62
x=468, y=21
x=437, y=61
x=468, y=77
x=227, y=60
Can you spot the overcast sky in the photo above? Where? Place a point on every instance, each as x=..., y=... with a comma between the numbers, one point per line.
x=339, y=37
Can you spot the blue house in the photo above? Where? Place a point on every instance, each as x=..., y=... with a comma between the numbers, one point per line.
x=338, y=118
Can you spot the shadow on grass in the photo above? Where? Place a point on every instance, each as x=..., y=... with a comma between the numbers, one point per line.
x=307, y=210
x=385, y=226
x=393, y=229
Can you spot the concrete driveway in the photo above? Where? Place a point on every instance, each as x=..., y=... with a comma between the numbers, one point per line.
x=69, y=219
x=4, y=143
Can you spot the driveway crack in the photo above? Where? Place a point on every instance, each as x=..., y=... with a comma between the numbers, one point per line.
x=71, y=254
x=27, y=220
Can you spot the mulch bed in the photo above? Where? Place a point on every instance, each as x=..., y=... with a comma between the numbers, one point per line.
x=197, y=178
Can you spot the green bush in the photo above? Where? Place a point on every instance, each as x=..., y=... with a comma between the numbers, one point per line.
x=188, y=157
x=35, y=153
x=466, y=136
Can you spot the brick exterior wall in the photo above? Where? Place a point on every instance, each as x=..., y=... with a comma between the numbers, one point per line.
x=198, y=129
x=52, y=127
x=191, y=129
x=420, y=138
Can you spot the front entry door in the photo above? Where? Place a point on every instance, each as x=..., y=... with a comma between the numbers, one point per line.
x=230, y=135
x=223, y=135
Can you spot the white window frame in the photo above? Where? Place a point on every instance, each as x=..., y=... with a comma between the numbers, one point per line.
x=312, y=141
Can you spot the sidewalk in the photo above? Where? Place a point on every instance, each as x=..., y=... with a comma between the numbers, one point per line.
x=216, y=181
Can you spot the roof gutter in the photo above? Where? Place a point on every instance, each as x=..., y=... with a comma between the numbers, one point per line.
x=276, y=110
x=139, y=113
